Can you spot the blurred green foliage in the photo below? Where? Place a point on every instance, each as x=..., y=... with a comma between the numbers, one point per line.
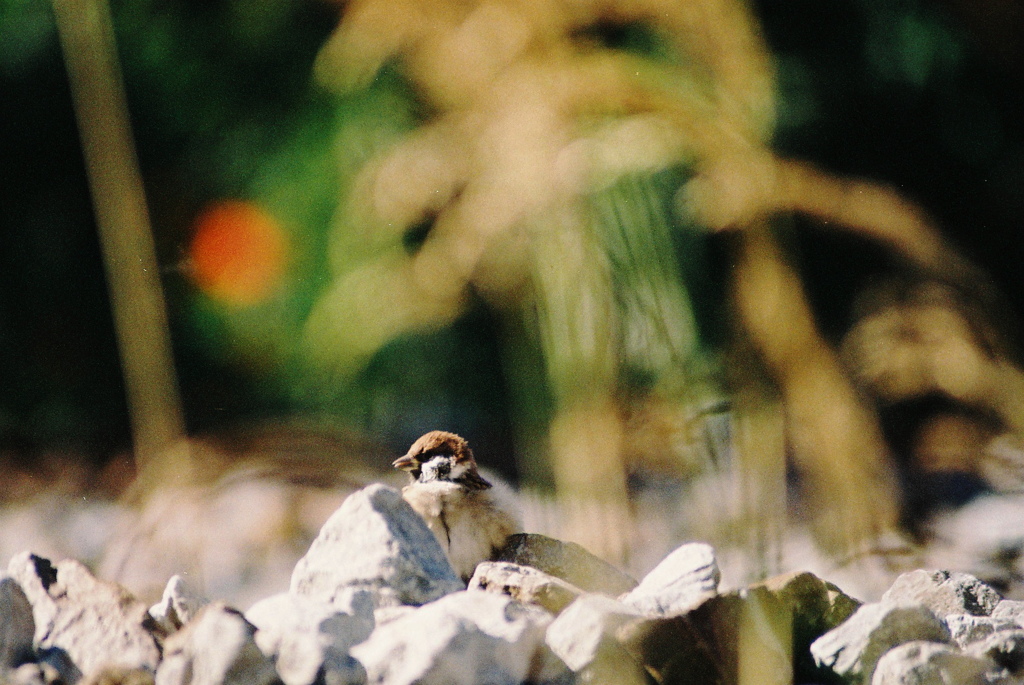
x=224, y=106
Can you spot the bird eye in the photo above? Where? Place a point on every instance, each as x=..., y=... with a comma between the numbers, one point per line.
x=437, y=467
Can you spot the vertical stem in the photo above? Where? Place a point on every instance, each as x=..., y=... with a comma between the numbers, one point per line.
x=760, y=472
x=87, y=39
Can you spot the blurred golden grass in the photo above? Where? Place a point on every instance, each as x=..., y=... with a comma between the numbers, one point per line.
x=529, y=179
x=531, y=117
x=528, y=172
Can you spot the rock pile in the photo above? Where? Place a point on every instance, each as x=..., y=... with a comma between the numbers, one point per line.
x=374, y=600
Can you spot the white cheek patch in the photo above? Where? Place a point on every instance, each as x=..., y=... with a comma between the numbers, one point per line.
x=436, y=468
x=442, y=468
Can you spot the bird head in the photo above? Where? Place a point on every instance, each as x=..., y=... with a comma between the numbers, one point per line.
x=440, y=456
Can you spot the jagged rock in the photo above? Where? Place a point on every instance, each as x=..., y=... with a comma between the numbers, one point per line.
x=17, y=627
x=682, y=580
x=852, y=650
x=965, y=629
x=93, y=623
x=742, y=636
x=1005, y=648
x=466, y=638
x=817, y=607
x=930, y=663
x=179, y=604
x=603, y=640
x=584, y=636
x=308, y=640
x=576, y=635
x=568, y=561
x=524, y=584
x=375, y=541
x=1012, y=610
x=943, y=592
x=216, y=648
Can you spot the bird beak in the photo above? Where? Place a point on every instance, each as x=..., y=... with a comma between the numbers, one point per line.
x=405, y=463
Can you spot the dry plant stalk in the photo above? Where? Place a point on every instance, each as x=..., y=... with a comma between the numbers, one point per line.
x=529, y=120
x=136, y=294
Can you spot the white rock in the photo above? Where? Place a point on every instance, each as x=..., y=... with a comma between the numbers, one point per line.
x=684, y=579
x=216, y=648
x=375, y=541
x=308, y=639
x=35, y=575
x=583, y=636
x=17, y=627
x=469, y=638
x=965, y=629
x=388, y=614
x=853, y=649
x=579, y=632
x=94, y=623
x=179, y=604
x=1010, y=609
x=524, y=584
x=943, y=592
x=930, y=663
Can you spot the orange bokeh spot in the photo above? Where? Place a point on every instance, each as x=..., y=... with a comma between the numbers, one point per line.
x=238, y=252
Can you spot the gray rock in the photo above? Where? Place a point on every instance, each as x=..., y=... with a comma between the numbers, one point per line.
x=852, y=650
x=308, y=640
x=17, y=627
x=965, y=629
x=216, y=648
x=179, y=604
x=466, y=638
x=1005, y=648
x=375, y=541
x=943, y=592
x=931, y=663
x=92, y=623
x=682, y=580
x=524, y=584
x=584, y=636
x=568, y=561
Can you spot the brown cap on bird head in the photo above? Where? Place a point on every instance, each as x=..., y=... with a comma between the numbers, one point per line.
x=437, y=443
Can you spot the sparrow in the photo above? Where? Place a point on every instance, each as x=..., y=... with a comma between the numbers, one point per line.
x=456, y=502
